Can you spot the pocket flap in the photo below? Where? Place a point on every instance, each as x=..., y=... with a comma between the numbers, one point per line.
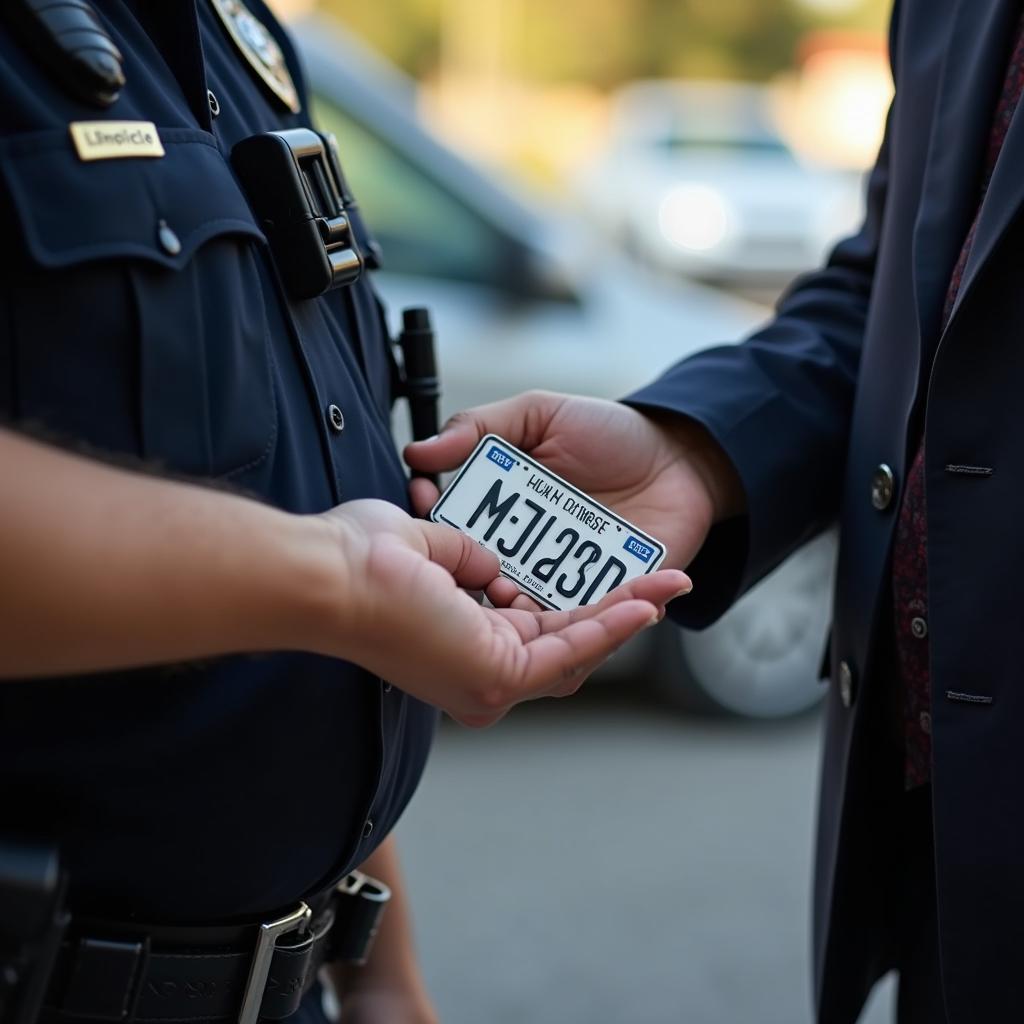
x=72, y=211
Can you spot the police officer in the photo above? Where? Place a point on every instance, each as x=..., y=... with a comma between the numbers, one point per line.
x=160, y=327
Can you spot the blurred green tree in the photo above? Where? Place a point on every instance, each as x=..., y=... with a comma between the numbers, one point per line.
x=408, y=32
x=606, y=42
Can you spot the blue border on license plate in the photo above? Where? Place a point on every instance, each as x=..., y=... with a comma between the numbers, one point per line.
x=555, y=542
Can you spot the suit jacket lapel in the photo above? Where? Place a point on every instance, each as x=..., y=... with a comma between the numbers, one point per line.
x=1002, y=203
x=971, y=79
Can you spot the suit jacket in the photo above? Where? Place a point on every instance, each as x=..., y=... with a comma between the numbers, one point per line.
x=809, y=408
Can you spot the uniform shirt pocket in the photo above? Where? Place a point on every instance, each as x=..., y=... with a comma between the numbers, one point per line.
x=137, y=318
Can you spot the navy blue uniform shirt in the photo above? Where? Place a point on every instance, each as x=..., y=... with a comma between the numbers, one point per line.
x=222, y=790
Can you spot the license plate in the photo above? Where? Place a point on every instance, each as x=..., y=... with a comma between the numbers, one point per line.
x=558, y=544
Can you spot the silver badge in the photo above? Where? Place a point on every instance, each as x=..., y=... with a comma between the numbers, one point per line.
x=260, y=49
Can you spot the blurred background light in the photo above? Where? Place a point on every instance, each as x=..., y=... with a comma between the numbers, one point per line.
x=832, y=6
x=694, y=217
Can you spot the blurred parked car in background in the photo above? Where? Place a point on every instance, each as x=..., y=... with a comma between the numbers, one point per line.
x=697, y=179
x=521, y=300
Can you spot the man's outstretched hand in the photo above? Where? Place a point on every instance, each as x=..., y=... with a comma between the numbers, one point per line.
x=410, y=622
x=668, y=476
x=149, y=572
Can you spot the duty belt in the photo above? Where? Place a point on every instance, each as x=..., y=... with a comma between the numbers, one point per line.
x=110, y=971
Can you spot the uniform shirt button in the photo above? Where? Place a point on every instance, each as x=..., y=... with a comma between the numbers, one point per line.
x=387, y=687
x=336, y=418
x=368, y=828
x=883, y=487
x=214, y=103
x=925, y=720
x=919, y=627
x=846, y=684
x=169, y=241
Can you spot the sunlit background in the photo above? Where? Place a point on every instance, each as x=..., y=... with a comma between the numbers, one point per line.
x=582, y=192
x=530, y=85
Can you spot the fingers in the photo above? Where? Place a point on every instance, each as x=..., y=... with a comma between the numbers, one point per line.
x=659, y=588
x=557, y=660
x=423, y=495
x=520, y=420
x=573, y=684
x=563, y=648
x=472, y=566
x=503, y=593
x=552, y=653
x=478, y=721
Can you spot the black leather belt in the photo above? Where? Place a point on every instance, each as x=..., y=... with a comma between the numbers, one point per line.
x=119, y=972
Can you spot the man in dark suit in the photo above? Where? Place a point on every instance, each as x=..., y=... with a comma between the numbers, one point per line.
x=884, y=393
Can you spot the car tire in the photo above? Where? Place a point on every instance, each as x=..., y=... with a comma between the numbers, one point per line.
x=762, y=658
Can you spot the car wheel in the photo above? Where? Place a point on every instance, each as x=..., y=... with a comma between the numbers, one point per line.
x=761, y=659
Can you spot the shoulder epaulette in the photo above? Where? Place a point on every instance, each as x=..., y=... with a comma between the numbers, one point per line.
x=69, y=40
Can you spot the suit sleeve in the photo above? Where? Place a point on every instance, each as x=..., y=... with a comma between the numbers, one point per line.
x=780, y=405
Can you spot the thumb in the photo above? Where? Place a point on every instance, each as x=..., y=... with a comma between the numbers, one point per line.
x=522, y=421
x=423, y=495
x=449, y=449
x=472, y=566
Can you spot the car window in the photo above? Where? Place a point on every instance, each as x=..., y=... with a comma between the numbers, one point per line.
x=422, y=228
x=724, y=147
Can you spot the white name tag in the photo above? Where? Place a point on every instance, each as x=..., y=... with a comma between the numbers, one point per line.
x=112, y=140
x=559, y=545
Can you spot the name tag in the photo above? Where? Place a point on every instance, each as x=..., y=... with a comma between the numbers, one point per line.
x=112, y=140
x=556, y=543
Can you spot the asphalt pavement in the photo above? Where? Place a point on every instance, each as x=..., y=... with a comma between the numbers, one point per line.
x=605, y=860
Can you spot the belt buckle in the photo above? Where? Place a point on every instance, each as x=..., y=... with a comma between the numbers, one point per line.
x=259, y=969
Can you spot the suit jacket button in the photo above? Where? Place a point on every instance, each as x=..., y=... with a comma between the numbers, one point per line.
x=335, y=418
x=883, y=487
x=847, y=685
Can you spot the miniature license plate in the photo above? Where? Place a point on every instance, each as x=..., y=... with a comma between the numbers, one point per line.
x=559, y=545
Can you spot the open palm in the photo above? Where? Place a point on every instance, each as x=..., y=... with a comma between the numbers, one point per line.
x=412, y=624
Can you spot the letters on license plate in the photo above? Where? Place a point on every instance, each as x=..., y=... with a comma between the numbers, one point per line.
x=559, y=545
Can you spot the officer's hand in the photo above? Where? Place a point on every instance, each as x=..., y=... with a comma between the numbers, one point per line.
x=667, y=475
x=403, y=617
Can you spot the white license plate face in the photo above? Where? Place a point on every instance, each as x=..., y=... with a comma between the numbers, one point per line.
x=559, y=545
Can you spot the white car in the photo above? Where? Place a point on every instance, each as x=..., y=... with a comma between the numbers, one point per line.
x=521, y=300
x=695, y=178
